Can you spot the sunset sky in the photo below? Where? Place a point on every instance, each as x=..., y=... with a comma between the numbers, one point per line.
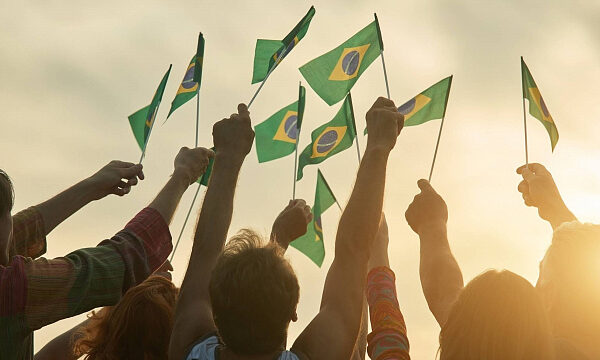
x=73, y=71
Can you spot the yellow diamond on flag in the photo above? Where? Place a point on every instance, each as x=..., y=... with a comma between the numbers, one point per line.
x=328, y=140
x=349, y=63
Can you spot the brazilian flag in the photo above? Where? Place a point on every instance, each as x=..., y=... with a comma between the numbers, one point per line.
x=430, y=104
x=330, y=138
x=189, y=85
x=537, y=106
x=269, y=53
x=333, y=74
x=141, y=121
x=311, y=243
x=278, y=136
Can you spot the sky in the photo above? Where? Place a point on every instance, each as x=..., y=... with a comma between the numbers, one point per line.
x=73, y=71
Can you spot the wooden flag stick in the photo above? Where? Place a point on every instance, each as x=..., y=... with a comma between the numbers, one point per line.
x=295, y=170
x=525, y=127
x=283, y=53
x=436, y=147
x=149, y=132
x=197, y=114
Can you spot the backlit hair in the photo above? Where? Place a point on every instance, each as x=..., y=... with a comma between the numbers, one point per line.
x=138, y=327
x=7, y=195
x=497, y=316
x=254, y=293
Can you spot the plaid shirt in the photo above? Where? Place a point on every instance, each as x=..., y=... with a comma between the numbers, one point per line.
x=35, y=293
x=388, y=340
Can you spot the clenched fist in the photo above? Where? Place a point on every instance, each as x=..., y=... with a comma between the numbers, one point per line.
x=234, y=135
x=384, y=124
x=427, y=208
x=291, y=223
x=192, y=163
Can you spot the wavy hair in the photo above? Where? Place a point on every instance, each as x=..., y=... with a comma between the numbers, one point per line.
x=138, y=327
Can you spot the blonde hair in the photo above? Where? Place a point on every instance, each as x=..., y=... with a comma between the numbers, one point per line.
x=497, y=316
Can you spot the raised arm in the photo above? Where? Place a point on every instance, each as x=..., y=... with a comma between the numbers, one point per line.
x=388, y=339
x=117, y=178
x=333, y=332
x=441, y=278
x=540, y=190
x=47, y=290
x=233, y=139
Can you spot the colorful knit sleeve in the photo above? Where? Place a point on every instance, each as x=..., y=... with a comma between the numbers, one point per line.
x=388, y=339
x=29, y=234
x=88, y=278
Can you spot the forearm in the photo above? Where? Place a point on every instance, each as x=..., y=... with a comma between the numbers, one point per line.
x=57, y=209
x=559, y=215
x=360, y=348
x=441, y=278
x=62, y=346
x=168, y=198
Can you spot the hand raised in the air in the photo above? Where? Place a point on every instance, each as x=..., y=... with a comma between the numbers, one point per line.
x=234, y=135
x=117, y=177
x=192, y=163
x=539, y=190
x=291, y=223
x=384, y=123
x=428, y=208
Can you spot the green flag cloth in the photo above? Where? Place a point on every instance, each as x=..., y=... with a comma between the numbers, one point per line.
x=333, y=74
x=277, y=136
x=191, y=80
x=311, y=243
x=537, y=106
x=430, y=104
x=188, y=88
x=141, y=121
x=330, y=138
x=206, y=176
x=269, y=53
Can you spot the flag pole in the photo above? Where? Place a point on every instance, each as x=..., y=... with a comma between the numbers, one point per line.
x=149, y=132
x=524, y=114
x=283, y=53
x=354, y=126
x=436, y=147
x=387, y=85
x=185, y=222
x=295, y=169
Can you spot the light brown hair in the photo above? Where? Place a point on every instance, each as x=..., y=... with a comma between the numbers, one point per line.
x=254, y=292
x=497, y=316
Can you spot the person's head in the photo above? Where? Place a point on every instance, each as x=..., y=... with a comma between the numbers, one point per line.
x=138, y=327
x=569, y=280
x=7, y=198
x=254, y=293
x=497, y=316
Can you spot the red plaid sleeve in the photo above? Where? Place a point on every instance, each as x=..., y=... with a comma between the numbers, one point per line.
x=388, y=340
x=29, y=233
x=150, y=227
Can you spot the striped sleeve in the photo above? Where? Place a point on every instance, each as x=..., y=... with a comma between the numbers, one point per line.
x=55, y=289
x=29, y=233
x=388, y=340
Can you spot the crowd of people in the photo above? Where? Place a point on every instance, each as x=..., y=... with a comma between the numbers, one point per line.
x=238, y=297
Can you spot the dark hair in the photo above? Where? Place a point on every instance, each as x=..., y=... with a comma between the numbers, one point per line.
x=7, y=195
x=254, y=292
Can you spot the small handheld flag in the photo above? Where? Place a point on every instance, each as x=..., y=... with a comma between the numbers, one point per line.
x=537, y=107
x=329, y=139
x=142, y=121
x=269, y=53
x=311, y=243
x=334, y=73
x=277, y=136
